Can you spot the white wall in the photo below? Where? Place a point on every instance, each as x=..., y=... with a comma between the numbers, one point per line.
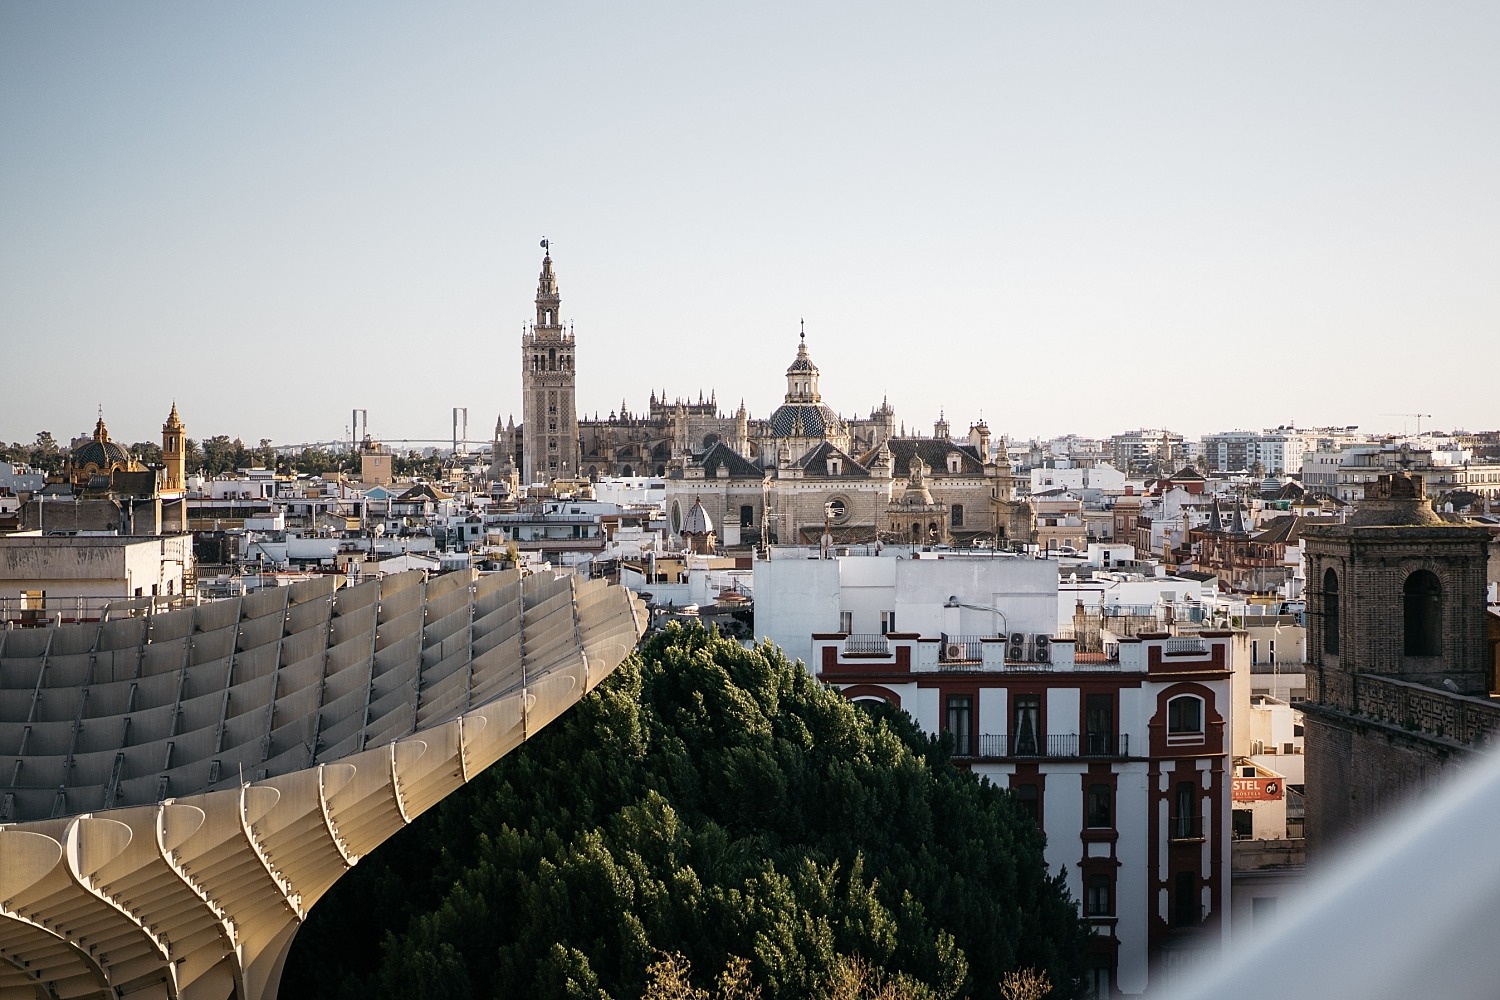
x=795, y=598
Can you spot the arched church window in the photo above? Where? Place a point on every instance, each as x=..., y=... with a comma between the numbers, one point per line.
x=552, y=359
x=1422, y=600
x=1330, y=612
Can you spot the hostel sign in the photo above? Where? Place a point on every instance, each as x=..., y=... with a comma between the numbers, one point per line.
x=1256, y=789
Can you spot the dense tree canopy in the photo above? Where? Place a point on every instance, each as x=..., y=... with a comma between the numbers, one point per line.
x=709, y=802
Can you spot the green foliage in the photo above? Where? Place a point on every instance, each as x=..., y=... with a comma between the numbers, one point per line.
x=715, y=804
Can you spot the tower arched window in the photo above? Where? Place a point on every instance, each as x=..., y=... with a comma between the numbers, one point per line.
x=1330, y=612
x=1422, y=601
x=552, y=359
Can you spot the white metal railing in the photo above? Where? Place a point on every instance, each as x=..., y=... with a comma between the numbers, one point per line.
x=1186, y=645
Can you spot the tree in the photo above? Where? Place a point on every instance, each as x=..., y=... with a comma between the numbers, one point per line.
x=192, y=455
x=146, y=452
x=46, y=455
x=1025, y=984
x=713, y=802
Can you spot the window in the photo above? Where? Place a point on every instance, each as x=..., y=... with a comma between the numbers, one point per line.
x=958, y=515
x=1423, y=605
x=1243, y=824
x=1099, y=806
x=747, y=516
x=1026, y=725
x=846, y=622
x=1186, y=823
x=1099, y=896
x=1029, y=797
x=1331, y=612
x=1185, y=717
x=1099, y=725
x=960, y=712
x=1255, y=652
x=887, y=622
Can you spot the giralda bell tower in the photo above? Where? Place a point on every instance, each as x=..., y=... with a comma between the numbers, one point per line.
x=549, y=430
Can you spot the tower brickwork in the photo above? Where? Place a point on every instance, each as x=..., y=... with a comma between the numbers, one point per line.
x=1398, y=671
x=173, y=453
x=548, y=388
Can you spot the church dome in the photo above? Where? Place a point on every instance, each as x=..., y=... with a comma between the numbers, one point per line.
x=811, y=420
x=802, y=364
x=100, y=452
x=697, y=521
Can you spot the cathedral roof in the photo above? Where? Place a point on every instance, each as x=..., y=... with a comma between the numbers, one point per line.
x=816, y=420
x=816, y=462
x=933, y=452
x=720, y=454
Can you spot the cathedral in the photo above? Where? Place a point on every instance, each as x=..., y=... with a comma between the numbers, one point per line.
x=802, y=474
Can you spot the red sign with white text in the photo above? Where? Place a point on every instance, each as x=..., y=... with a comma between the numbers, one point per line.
x=1256, y=789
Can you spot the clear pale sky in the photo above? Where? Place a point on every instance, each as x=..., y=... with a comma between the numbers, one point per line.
x=1062, y=217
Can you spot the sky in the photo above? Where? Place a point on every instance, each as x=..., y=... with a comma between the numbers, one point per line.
x=1062, y=218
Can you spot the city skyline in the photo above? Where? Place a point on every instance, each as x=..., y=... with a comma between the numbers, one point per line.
x=1196, y=219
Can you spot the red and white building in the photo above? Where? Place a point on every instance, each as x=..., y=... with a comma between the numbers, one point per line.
x=1123, y=756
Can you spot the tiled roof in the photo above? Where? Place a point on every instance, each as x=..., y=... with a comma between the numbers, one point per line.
x=934, y=454
x=423, y=491
x=816, y=463
x=817, y=420
x=720, y=454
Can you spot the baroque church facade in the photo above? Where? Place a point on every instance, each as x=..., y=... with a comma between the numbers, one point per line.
x=803, y=473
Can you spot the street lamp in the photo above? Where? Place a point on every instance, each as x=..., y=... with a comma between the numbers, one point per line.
x=954, y=602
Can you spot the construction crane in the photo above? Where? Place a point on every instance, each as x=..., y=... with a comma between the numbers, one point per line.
x=1419, y=417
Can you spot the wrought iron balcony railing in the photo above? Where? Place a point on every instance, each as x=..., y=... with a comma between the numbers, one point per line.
x=1065, y=745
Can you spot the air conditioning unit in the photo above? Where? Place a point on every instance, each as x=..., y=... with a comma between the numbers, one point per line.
x=1018, y=638
x=1042, y=648
x=1016, y=650
x=953, y=651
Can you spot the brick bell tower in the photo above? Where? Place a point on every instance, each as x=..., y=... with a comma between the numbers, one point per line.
x=1399, y=663
x=1397, y=592
x=173, y=453
x=549, y=411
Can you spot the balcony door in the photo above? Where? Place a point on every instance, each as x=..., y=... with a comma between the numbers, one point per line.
x=1099, y=725
x=1026, y=725
x=961, y=724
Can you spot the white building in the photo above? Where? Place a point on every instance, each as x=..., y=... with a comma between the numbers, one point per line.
x=1122, y=756
x=78, y=577
x=1103, y=477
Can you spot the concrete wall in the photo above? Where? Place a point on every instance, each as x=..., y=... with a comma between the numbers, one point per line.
x=93, y=567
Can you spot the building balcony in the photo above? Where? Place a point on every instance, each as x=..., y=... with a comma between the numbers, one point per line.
x=896, y=657
x=1089, y=746
x=1185, y=828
